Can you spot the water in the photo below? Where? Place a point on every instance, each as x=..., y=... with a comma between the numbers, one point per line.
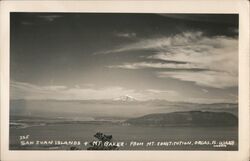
x=84, y=131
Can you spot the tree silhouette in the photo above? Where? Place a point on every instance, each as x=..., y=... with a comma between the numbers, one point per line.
x=103, y=143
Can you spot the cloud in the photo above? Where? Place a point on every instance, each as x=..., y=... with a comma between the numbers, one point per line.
x=160, y=44
x=210, y=100
x=21, y=90
x=170, y=95
x=89, y=85
x=27, y=23
x=34, y=88
x=54, y=88
x=157, y=91
x=203, y=78
x=204, y=90
x=226, y=19
x=217, y=55
x=126, y=35
x=49, y=18
x=143, y=65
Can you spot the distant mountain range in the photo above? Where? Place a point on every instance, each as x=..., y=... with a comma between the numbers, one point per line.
x=121, y=107
x=187, y=118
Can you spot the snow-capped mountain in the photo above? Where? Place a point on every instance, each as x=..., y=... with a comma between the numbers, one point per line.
x=125, y=98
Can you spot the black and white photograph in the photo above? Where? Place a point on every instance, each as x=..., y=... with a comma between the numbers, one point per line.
x=123, y=81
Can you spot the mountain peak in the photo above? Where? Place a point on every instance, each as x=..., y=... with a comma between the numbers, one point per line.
x=125, y=98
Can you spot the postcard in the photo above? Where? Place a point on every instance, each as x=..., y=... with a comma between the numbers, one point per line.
x=133, y=80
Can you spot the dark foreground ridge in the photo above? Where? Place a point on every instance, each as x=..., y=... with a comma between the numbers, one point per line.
x=189, y=118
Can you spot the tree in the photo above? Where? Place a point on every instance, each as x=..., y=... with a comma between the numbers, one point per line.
x=103, y=142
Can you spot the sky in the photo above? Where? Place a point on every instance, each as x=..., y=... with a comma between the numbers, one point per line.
x=83, y=56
